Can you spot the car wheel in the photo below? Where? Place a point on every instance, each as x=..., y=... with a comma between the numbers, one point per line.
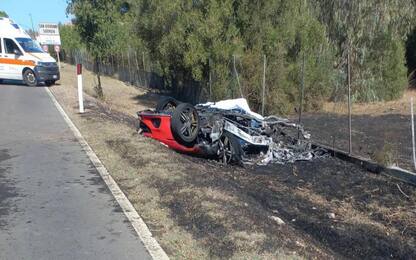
x=185, y=124
x=229, y=151
x=29, y=78
x=167, y=104
x=50, y=83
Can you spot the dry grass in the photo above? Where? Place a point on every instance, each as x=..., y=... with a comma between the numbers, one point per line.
x=346, y=213
x=400, y=106
x=117, y=94
x=384, y=156
x=198, y=209
x=112, y=143
x=190, y=220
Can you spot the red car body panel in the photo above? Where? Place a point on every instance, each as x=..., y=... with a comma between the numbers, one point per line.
x=159, y=126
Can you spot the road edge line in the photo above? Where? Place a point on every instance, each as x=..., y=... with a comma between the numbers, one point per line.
x=150, y=243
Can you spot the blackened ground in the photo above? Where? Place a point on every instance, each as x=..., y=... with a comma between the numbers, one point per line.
x=340, y=210
x=371, y=135
x=372, y=218
x=361, y=202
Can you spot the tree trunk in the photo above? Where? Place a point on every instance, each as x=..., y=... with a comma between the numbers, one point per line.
x=98, y=88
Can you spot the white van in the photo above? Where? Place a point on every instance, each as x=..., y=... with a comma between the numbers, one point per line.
x=21, y=58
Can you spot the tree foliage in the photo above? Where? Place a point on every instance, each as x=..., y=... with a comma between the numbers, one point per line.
x=374, y=33
x=193, y=40
x=183, y=36
x=100, y=28
x=3, y=14
x=71, y=40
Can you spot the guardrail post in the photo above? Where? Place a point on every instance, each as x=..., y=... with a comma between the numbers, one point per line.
x=80, y=97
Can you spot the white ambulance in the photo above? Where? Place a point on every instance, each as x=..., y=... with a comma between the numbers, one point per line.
x=21, y=58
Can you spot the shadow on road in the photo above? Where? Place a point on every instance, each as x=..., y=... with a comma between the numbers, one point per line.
x=20, y=83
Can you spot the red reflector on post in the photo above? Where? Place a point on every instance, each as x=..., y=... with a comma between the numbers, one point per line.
x=79, y=69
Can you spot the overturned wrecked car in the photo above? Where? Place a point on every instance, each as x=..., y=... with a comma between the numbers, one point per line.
x=228, y=131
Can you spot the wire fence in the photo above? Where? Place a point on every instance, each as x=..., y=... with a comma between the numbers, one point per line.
x=137, y=69
x=384, y=136
x=379, y=131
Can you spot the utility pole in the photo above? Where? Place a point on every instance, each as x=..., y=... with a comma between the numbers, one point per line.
x=33, y=28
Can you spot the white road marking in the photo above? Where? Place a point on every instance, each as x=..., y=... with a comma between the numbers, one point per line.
x=152, y=246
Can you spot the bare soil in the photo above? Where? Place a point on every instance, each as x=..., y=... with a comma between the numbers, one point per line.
x=198, y=208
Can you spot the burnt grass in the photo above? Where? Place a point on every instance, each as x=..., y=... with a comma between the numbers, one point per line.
x=274, y=189
x=339, y=183
x=370, y=134
x=373, y=218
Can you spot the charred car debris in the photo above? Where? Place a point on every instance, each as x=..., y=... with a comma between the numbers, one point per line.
x=228, y=131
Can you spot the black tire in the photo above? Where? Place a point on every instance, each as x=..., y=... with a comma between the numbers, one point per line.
x=230, y=151
x=185, y=124
x=50, y=83
x=167, y=104
x=29, y=78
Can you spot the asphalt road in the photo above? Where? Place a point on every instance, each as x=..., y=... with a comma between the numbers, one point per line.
x=53, y=203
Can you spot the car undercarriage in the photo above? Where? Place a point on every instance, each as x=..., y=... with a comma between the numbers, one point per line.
x=228, y=131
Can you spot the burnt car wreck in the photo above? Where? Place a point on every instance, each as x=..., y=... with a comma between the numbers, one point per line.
x=228, y=131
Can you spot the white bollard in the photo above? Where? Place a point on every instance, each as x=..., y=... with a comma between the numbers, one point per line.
x=80, y=97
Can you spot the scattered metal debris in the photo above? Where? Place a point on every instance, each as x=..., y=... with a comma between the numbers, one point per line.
x=230, y=131
x=402, y=192
x=278, y=220
x=331, y=215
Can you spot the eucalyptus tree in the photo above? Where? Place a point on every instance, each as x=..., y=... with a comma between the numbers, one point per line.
x=184, y=36
x=99, y=25
x=374, y=32
x=196, y=40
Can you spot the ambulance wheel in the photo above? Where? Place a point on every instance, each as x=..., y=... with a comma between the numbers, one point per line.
x=29, y=78
x=49, y=83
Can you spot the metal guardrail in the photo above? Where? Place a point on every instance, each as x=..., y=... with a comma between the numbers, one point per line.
x=394, y=172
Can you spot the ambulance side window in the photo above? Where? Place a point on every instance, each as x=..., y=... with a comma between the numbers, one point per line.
x=1, y=47
x=10, y=46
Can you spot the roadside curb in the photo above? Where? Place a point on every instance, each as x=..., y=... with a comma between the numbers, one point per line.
x=150, y=243
x=393, y=172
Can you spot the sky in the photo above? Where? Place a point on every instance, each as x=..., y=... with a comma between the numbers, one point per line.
x=53, y=11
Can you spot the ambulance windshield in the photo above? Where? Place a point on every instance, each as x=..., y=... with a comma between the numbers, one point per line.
x=29, y=45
